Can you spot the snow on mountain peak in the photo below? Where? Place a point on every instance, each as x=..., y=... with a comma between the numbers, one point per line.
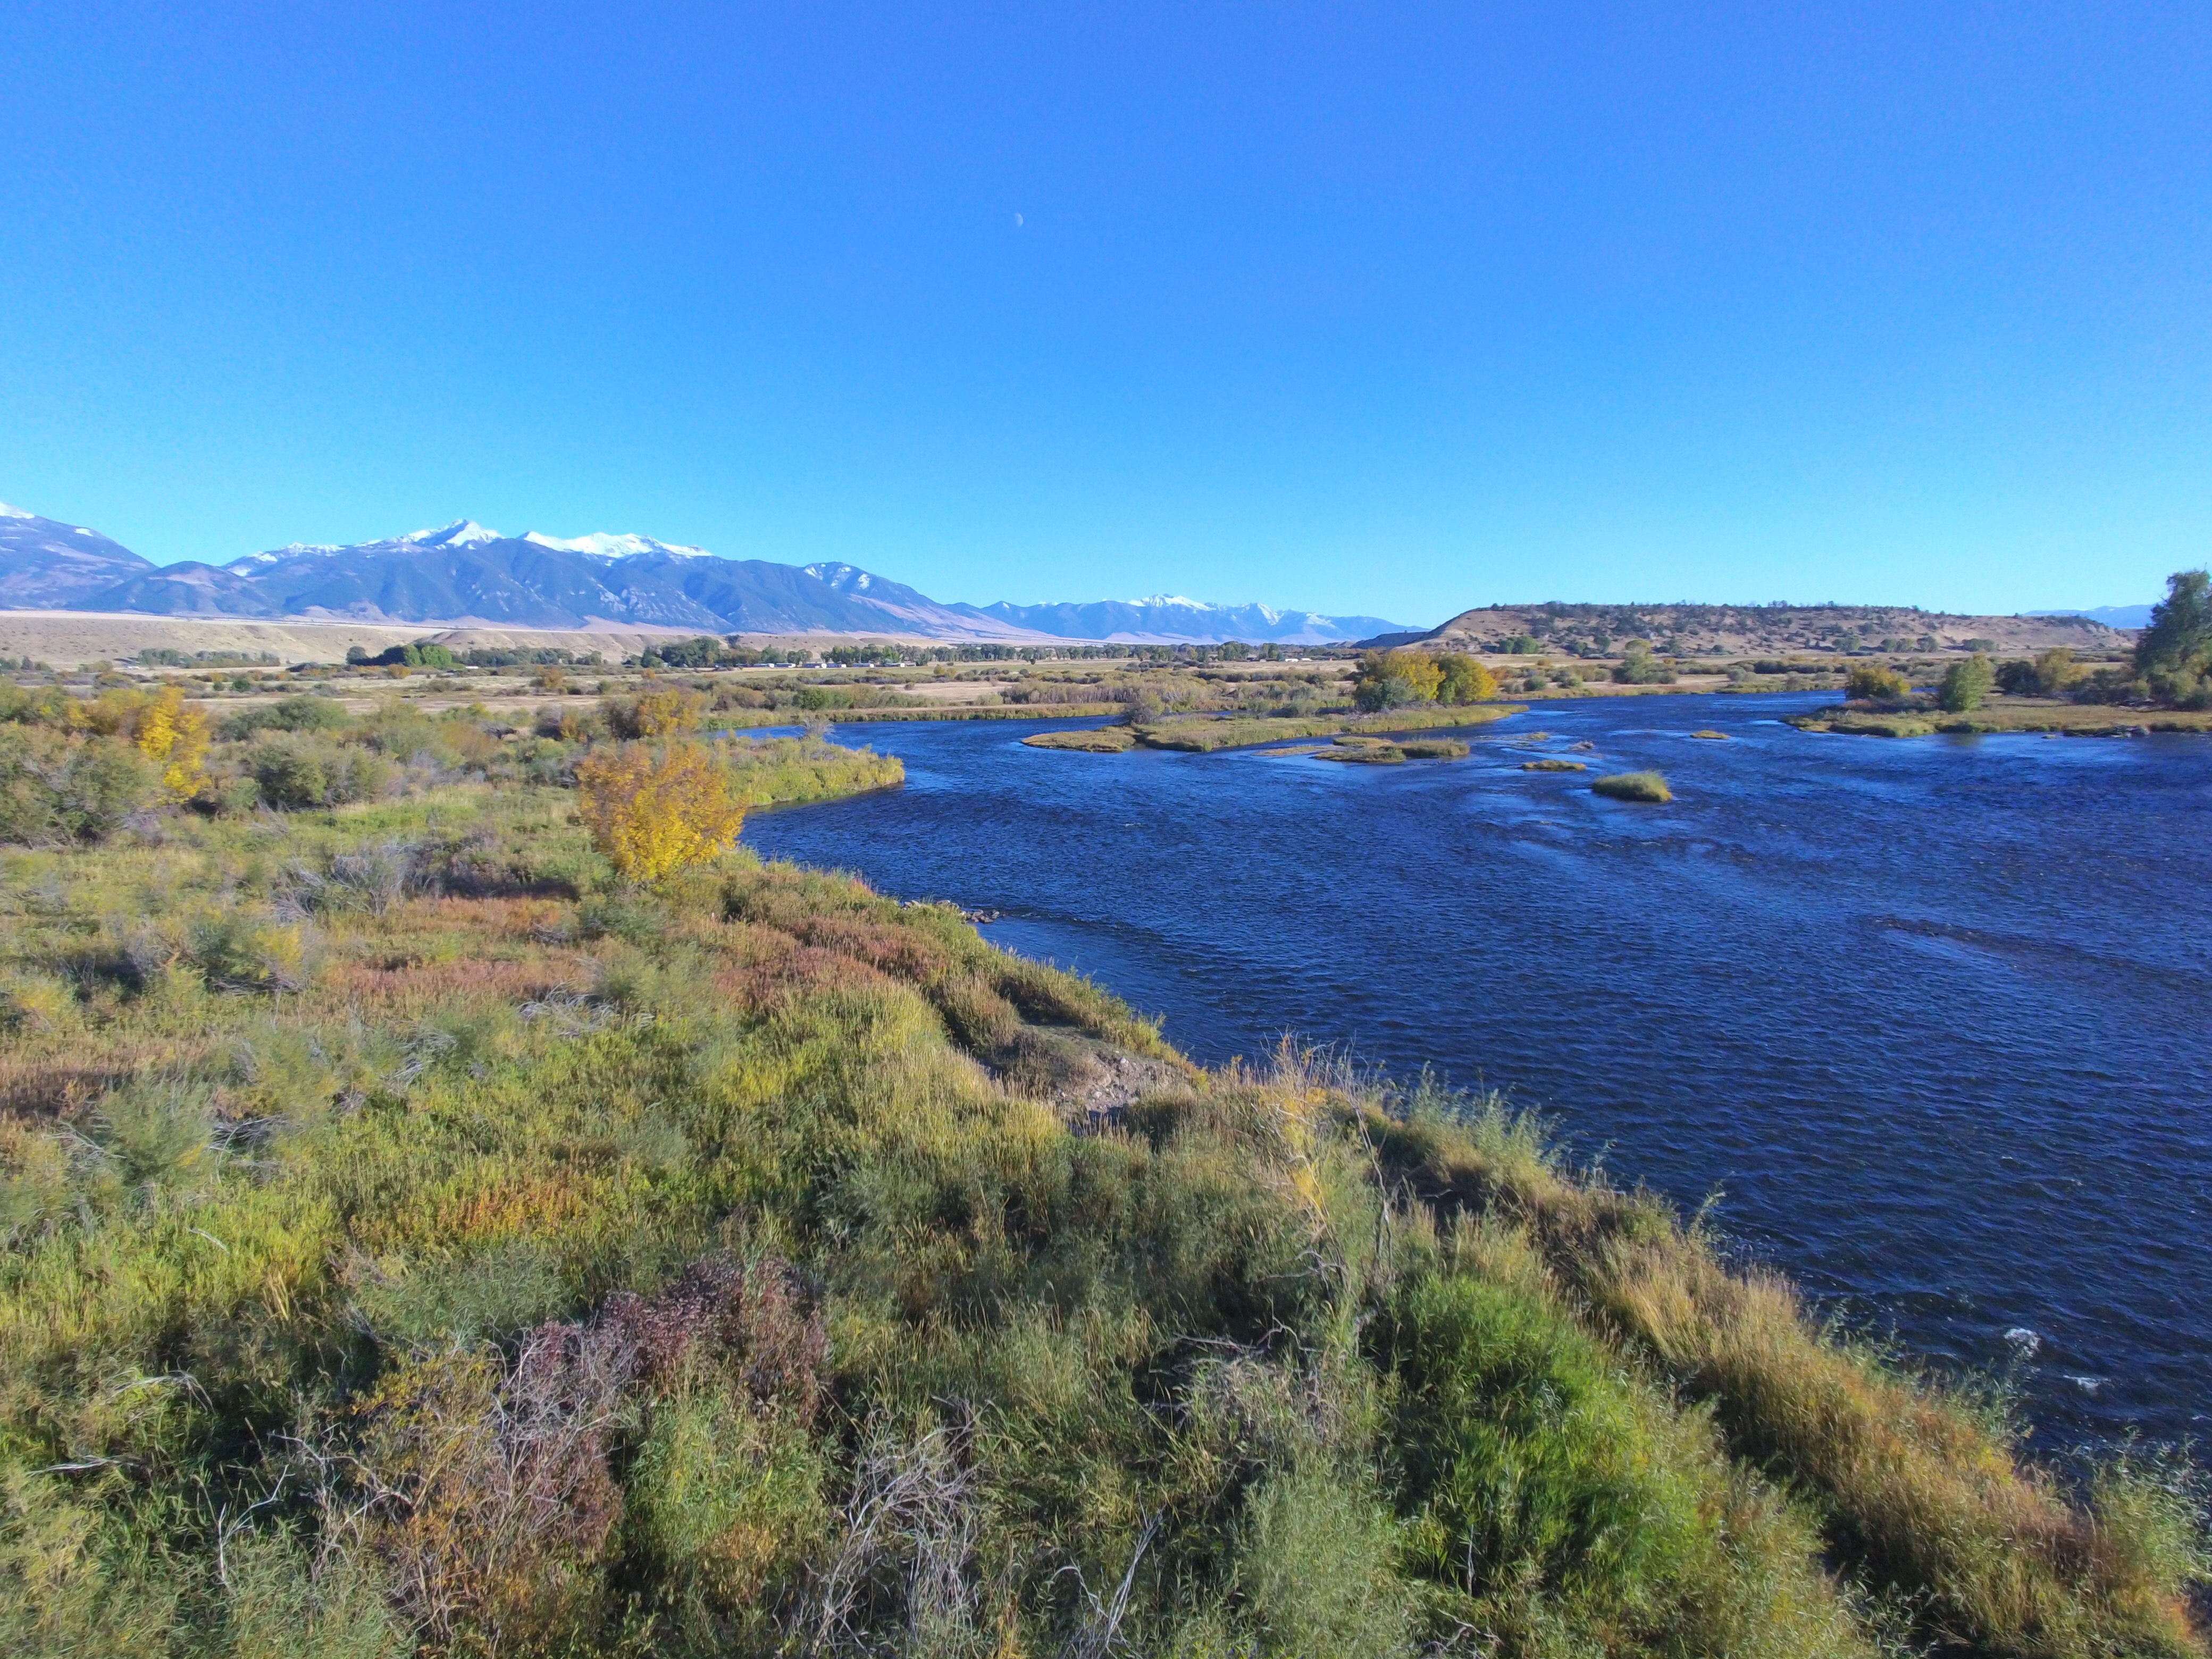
x=601, y=544
x=462, y=532
x=845, y=578
x=8, y=512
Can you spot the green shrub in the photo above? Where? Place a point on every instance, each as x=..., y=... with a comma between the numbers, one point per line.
x=156, y=1132
x=1966, y=685
x=1529, y=1463
x=299, y=773
x=56, y=789
x=235, y=950
x=1315, y=1571
x=1633, y=786
x=1876, y=682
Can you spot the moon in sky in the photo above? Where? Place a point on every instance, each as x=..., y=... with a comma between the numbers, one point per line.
x=1017, y=221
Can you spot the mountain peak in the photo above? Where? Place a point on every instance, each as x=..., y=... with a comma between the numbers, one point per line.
x=600, y=545
x=845, y=578
x=8, y=512
x=462, y=532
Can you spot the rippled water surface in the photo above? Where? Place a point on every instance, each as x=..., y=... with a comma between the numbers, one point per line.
x=1930, y=1015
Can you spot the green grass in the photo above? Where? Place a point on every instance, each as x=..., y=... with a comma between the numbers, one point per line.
x=1364, y=754
x=2001, y=714
x=1204, y=735
x=411, y=1240
x=1102, y=740
x=790, y=771
x=1633, y=786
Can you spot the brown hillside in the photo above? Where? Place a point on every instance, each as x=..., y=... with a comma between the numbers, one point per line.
x=1751, y=629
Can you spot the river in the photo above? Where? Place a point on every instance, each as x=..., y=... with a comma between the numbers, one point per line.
x=1929, y=1015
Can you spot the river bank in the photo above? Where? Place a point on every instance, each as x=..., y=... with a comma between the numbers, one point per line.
x=520, y=1259
x=2003, y=714
x=1711, y=988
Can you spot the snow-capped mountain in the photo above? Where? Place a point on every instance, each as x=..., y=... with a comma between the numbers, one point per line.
x=465, y=573
x=48, y=565
x=1167, y=616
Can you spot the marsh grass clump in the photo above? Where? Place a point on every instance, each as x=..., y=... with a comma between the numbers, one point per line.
x=1363, y=751
x=1104, y=740
x=1633, y=786
x=747, y=1263
x=1553, y=766
x=1433, y=749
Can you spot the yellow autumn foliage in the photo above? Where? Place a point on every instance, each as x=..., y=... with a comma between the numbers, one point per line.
x=173, y=734
x=665, y=710
x=654, y=810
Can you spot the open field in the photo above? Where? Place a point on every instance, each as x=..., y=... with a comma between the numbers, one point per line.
x=70, y=639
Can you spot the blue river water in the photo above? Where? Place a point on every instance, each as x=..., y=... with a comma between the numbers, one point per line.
x=1929, y=1016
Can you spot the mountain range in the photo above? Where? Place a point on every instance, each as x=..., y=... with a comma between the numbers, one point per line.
x=465, y=575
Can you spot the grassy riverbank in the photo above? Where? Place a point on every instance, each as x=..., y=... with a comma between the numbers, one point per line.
x=2000, y=714
x=1204, y=736
x=417, y=1240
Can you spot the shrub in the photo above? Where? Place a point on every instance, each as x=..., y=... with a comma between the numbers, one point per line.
x=299, y=713
x=55, y=788
x=1528, y=1461
x=1633, y=786
x=663, y=711
x=1464, y=680
x=653, y=811
x=156, y=1133
x=1314, y=1569
x=1392, y=679
x=236, y=951
x=295, y=773
x=174, y=735
x=1640, y=667
x=1875, y=682
x=1966, y=685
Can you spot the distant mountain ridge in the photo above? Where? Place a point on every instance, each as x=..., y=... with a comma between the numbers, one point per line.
x=1163, y=616
x=2112, y=616
x=468, y=575
x=47, y=565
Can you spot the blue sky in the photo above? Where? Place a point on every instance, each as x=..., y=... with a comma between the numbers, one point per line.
x=1391, y=310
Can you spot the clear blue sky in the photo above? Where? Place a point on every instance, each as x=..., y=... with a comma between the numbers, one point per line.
x=1383, y=309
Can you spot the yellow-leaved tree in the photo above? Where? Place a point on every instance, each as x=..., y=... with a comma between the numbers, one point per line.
x=655, y=809
x=173, y=734
x=1465, y=679
x=658, y=711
